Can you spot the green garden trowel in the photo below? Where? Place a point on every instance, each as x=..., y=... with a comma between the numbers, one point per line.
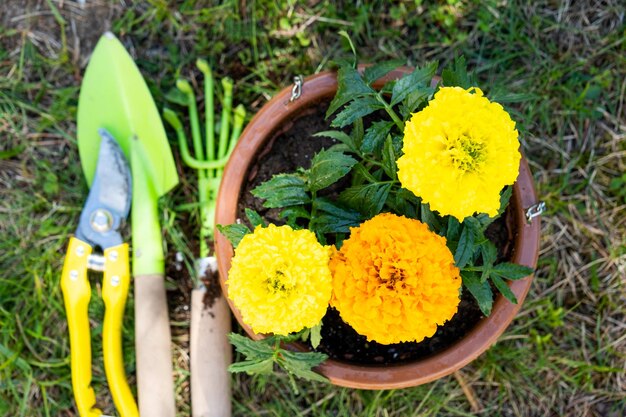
x=114, y=96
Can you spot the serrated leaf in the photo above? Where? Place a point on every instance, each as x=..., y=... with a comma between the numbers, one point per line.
x=357, y=132
x=465, y=249
x=413, y=101
x=300, y=363
x=458, y=75
x=293, y=213
x=339, y=147
x=427, y=216
x=400, y=205
x=254, y=218
x=356, y=109
x=505, y=197
x=504, y=288
x=389, y=159
x=282, y=190
x=454, y=228
x=360, y=174
x=327, y=167
x=316, y=335
x=253, y=367
x=252, y=349
x=375, y=136
x=233, y=232
x=480, y=290
x=489, y=252
x=420, y=77
x=310, y=359
x=374, y=72
x=332, y=218
x=350, y=85
x=511, y=271
x=369, y=199
x=341, y=137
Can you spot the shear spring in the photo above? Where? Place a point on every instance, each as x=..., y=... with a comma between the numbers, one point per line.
x=96, y=262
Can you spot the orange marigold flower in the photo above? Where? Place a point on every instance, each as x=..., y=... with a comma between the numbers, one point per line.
x=394, y=280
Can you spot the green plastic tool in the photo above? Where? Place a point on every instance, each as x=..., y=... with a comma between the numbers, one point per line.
x=114, y=96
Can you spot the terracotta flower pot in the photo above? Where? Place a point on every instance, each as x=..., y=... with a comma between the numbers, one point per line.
x=275, y=117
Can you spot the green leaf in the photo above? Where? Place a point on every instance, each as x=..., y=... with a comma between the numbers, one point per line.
x=465, y=249
x=356, y=109
x=480, y=290
x=389, y=159
x=357, y=133
x=429, y=217
x=403, y=202
x=327, y=167
x=504, y=288
x=505, y=197
x=375, y=136
x=454, y=228
x=414, y=100
x=316, y=335
x=233, y=232
x=332, y=218
x=254, y=218
x=458, y=75
x=489, y=252
x=282, y=190
x=300, y=363
x=420, y=77
x=511, y=271
x=374, y=72
x=341, y=137
x=252, y=349
x=360, y=174
x=293, y=213
x=253, y=367
x=369, y=199
x=350, y=85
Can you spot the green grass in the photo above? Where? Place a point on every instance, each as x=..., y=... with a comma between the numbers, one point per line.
x=558, y=67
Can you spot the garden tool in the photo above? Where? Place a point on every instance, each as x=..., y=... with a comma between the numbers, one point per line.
x=209, y=349
x=102, y=217
x=115, y=96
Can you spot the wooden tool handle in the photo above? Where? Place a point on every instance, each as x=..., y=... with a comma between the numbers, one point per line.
x=155, y=380
x=210, y=354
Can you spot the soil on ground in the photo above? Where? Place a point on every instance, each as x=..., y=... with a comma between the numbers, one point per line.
x=293, y=148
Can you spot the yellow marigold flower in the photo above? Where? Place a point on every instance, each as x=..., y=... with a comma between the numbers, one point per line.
x=394, y=280
x=280, y=280
x=459, y=152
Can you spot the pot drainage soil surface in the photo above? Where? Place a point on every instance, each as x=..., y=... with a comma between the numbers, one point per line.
x=292, y=148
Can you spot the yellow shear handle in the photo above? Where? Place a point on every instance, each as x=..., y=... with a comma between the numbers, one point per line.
x=115, y=285
x=76, y=294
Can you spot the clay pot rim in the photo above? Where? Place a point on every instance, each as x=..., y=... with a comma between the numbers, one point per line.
x=263, y=127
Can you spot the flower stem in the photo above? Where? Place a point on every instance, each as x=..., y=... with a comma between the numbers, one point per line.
x=394, y=116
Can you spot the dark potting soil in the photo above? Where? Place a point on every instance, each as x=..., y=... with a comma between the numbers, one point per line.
x=293, y=148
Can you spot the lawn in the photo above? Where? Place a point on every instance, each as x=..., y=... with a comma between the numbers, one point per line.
x=558, y=66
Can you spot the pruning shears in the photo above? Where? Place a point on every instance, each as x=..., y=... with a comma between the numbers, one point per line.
x=103, y=216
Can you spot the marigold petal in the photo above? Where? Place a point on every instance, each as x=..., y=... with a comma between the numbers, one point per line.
x=411, y=287
x=459, y=152
x=280, y=280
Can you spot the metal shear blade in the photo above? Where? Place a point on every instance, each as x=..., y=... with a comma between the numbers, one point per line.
x=108, y=202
